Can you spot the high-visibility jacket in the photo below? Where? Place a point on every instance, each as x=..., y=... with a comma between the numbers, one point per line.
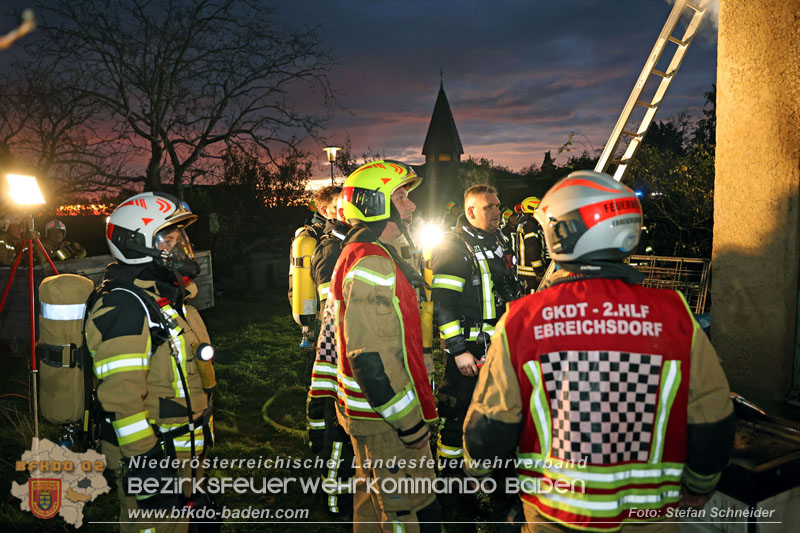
x=138, y=386
x=382, y=378
x=610, y=389
x=473, y=279
x=531, y=248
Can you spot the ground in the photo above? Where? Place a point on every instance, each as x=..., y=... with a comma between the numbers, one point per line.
x=257, y=359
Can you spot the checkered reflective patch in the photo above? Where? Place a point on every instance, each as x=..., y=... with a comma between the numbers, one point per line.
x=326, y=342
x=603, y=404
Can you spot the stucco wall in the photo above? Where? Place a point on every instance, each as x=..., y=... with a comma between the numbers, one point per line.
x=755, y=257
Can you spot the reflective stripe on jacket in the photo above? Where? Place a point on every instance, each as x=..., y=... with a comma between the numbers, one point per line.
x=609, y=389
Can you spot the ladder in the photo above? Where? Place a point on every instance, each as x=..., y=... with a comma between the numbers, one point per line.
x=623, y=127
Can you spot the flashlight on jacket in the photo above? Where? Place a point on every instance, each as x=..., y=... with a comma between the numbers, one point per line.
x=204, y=351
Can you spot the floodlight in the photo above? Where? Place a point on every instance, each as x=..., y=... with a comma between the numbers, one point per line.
x=24, y=190
x=430, y=236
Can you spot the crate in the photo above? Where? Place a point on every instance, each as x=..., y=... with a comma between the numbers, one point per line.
x=686, y=274
x=15, y=316
x=204, y=281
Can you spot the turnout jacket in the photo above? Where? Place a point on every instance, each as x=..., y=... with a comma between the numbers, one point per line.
x=61, y=251
x=509, y=231
x=609, y=387
x=139, y=386
x=532, y=251
x=473, y=279
x=382, y=378
x=8, y=250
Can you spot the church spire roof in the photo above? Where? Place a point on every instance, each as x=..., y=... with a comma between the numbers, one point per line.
x=442, y=136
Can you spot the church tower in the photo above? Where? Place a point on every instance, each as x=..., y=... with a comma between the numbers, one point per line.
x=442, y=150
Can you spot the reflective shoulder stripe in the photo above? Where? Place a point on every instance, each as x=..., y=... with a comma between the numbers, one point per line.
x=443, y=281
x=370, y=276
x=63, y=311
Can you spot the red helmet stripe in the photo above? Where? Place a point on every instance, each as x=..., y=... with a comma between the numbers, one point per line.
x=109, y=230
x=163, y=205
x=585, y=183
x=595, y=213
x=147, y=220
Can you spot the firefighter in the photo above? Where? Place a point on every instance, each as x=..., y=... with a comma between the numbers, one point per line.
x=57, y=248
x=385, y=400
x=151, y=387
x=610, y=388
x=10, y=238
x=473, y=280
x=326, y=435
x=532, y=253
x=302, y=292
x=509, y=228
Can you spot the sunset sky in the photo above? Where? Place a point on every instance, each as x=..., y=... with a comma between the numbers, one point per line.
x=519, y=74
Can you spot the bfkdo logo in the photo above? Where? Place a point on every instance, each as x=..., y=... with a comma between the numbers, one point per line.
x=44, y=497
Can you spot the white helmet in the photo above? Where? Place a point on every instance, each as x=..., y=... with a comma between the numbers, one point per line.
x=589, y=216
x=139, y=231
x=55, y=224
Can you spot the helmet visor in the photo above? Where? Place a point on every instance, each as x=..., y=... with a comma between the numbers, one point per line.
x=173, y=242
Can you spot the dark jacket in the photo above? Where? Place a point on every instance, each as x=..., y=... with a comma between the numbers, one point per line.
x=325, y=256
x=473, y=279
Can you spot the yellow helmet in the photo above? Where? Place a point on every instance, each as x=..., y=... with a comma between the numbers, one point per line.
x=530, y=204
x=367, y=192
x=507, y=214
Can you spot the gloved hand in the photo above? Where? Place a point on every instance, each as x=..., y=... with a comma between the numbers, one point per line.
x=139, y=476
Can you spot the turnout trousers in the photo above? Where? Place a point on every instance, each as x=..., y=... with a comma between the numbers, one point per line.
x=389, y=498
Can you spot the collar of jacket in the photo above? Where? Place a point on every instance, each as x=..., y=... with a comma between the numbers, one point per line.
x=146, y=277
x=337, y=228
x=465, y=228
x=595, y=269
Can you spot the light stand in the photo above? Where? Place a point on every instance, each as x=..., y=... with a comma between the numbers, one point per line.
x=27, y=197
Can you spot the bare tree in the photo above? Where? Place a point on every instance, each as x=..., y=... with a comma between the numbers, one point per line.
x=49, y=129
x=183, y=80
